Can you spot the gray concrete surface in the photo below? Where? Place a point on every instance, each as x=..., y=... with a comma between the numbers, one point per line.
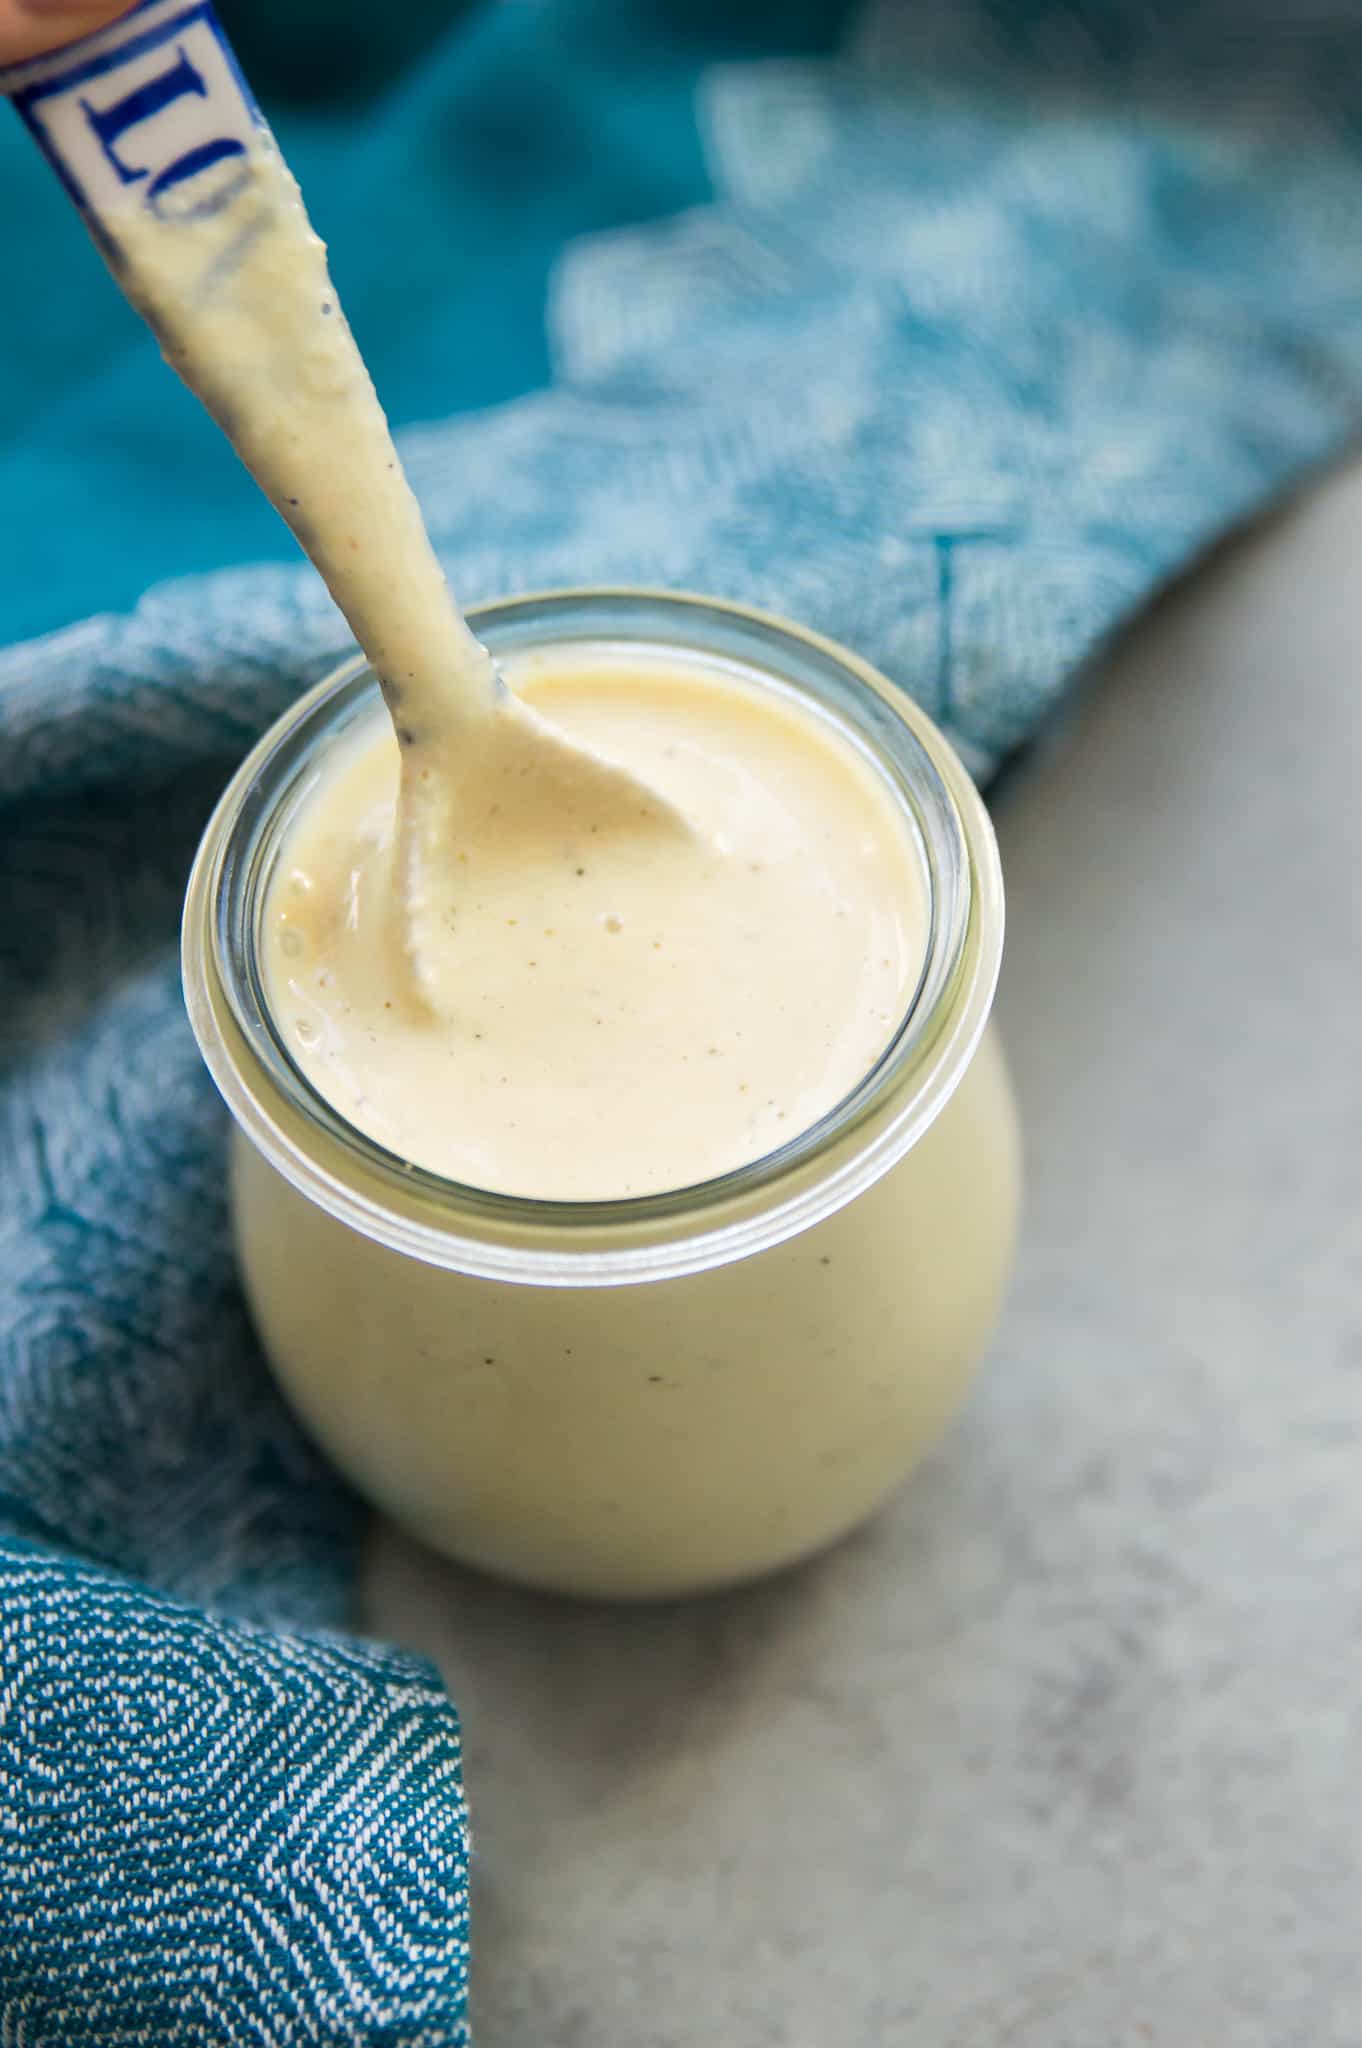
x=1066, y=1750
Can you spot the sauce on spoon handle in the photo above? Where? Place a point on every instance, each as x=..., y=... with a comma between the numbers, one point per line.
x=243, y=304
x=158, y=139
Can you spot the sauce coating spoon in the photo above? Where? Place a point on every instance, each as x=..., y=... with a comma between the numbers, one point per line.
x=156, y=136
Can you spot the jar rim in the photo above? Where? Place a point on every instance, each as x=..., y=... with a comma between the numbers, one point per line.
x=664, y=1234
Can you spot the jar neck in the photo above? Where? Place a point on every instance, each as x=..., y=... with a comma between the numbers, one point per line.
x=603, y=1242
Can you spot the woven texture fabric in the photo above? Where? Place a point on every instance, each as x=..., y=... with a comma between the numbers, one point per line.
x=950, y=329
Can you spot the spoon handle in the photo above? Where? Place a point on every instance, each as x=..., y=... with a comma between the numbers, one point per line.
x=158, y=139
x=152, y=109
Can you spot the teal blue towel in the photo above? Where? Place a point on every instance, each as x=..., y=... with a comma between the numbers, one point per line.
x=950, y=328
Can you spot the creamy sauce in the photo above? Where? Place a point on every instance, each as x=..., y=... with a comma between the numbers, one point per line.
x=239, y=296
x=528, y=970
x=626, y=1015
x=615, y=933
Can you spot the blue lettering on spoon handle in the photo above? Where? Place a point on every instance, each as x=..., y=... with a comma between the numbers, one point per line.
x=152, y=110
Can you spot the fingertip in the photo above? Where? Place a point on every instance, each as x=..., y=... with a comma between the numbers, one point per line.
x=30, y=28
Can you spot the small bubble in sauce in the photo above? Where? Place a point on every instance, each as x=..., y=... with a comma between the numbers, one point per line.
x=291, y=942
x=307, y=1031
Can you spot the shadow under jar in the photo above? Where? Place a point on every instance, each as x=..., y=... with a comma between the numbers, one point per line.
x=661, y=1394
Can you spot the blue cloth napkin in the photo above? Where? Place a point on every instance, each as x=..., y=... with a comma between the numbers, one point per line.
x=949, y=328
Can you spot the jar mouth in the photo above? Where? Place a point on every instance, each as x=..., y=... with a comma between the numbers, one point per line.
x=449, y=1223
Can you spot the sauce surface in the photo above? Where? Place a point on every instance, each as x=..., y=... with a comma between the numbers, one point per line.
x=622, y=1014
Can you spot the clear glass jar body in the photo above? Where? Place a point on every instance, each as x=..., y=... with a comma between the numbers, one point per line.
x=642, y=1397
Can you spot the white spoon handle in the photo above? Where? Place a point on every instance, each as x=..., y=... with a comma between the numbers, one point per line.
x=153, y=107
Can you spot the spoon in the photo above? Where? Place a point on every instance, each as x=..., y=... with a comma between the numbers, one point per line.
x=154, y=132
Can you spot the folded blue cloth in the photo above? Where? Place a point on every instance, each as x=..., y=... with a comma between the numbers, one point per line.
x=948, y=328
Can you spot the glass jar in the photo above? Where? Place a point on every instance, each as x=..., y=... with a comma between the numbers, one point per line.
x=654, y=1395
